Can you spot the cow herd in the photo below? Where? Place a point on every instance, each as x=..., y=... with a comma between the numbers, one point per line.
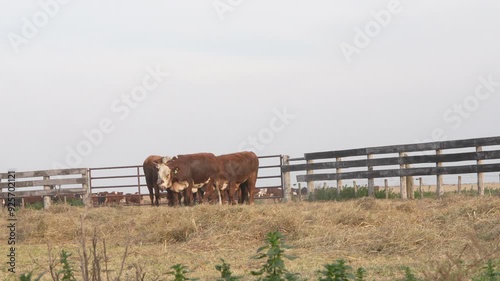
x=115, y=198
x=202, y=177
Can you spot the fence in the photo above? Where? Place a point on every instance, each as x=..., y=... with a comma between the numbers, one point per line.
x=434, y=158
x=435, y=153
x=43, y=179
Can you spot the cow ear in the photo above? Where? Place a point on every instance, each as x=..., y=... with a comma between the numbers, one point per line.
x=157, y=166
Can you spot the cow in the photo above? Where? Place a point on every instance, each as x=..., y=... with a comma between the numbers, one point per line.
x=31, y=200
x=187, y=173
x=276, y=193
x=238, y=172
x=262, y=192
x=150, y=167
x=102, y=198
x=115, y=198
x=133, y=198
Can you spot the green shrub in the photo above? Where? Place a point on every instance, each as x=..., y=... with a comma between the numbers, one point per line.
x=179, y=272
x=347, y=193
x=28, y=277
x=360, y=274
x=67, y=270
x=274, y=269
x=337, y=271
x=489, y=273
x=35, y=206
x=225, y=270
x=409, y=276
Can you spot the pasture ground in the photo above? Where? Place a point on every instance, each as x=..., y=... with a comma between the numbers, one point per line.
x=449, y=238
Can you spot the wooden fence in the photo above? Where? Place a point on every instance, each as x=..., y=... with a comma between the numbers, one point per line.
x=432, y=153
x=25, y=180
x=440, y=155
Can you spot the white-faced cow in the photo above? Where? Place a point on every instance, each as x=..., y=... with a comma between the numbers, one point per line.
x=151, y=173
x=187, y=173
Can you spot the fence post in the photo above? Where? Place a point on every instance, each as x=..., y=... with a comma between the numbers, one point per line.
x=139, y=180
x=439, y=177
x=287, y=186
x=310, y=184
x=480, y=176
x=371, y=182
x=46, y=199
x=355, y=186
x=420, y=187
x=410, y=191
x=87, y=196
x=402, y=179
x=338, y=171
x=300, y=192
x=386, y=184
x=459, y=184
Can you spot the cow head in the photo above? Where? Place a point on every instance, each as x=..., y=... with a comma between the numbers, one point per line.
x=164, y=173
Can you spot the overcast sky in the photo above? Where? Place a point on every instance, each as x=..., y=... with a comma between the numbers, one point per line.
x=85, y=83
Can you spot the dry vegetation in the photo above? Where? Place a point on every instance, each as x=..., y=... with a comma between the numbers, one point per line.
x=430, y=236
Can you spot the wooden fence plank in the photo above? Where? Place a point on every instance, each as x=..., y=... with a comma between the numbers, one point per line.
x=20, y=184
x=404, y=148
x=467, y=169
x=59, y=192
x=418, y=159
x=46, y=173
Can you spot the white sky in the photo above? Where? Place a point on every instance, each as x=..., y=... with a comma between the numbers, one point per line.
x=227, y=76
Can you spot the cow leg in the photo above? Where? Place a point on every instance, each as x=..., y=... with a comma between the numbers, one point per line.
x=151, y=195
x=243, y=193
x=195, y=196
x=201, y=194
x=225, y=196
x=209, y=189
x=188, y=194
x=219, y=196
x=172, y=198
x=157, y=194
x=232, y=191
x=252, y=180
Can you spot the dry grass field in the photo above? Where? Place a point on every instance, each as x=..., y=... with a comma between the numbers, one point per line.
x=446, y=239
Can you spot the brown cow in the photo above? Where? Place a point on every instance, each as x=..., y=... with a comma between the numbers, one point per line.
x=238, y=172
x=276, y=193
x=115, y=198
x=132, y=198
x=30, y=200
x=151, y=173
x=188, y=172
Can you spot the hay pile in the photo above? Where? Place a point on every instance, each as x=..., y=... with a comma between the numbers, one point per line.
x=427, y=235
